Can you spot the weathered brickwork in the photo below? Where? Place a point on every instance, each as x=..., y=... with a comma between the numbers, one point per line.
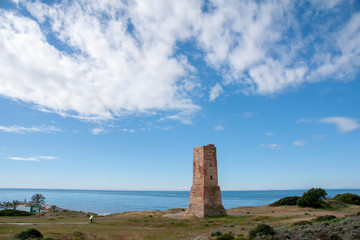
x=205, y=196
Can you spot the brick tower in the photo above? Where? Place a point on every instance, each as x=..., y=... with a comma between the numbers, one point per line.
x=205, y=196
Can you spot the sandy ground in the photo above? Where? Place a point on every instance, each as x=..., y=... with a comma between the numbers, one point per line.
x=282, y=211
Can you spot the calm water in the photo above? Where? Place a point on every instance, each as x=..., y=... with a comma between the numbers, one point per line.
x=104, y=202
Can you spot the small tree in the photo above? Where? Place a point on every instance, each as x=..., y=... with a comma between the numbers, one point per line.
x=6, y=205
x=53, y=208
x=38, y=199
x=312, y=198
x=15, y=204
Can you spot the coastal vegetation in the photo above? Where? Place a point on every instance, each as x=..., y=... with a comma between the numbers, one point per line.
x=286, y=201
x=312, y=198
x=261, y=230
x=38, y=199
x=11, y=212
x=348, y=198
x=5, y=204
x=27, y=234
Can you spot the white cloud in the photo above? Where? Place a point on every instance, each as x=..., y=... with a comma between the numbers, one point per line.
x=269, y=133
x=299, y=143
x=115, y=58
x=128, y=130
x=304, y=120
x=218, y=128
x=184, y=117
x=46, y=157
x=247, y=115
x=29, y=159
x=97, y=131
x=272, y=146
x=215, y=91
x=345, y=64
x=23, y=130
x=343, y=124
x=32, y=159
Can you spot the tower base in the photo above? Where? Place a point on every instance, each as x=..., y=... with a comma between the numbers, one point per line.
x=205, y=201
x=201, y=211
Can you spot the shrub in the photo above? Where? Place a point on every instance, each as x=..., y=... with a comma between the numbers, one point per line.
x=29, y=233
x=324, y=218
x=226, y=236
x=79, y=235
x=261, y=230
x=312, y=198
x=11, y=212
x=348, y=198
x=286, y=201
x=216, y=233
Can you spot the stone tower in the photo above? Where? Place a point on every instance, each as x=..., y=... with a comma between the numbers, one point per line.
x=205, y=196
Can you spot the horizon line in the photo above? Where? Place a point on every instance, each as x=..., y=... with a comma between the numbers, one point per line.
x=167, y=190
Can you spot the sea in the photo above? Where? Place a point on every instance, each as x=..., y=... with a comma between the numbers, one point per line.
x=112, y=201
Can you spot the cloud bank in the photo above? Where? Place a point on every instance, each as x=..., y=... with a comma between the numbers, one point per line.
x=103, y=59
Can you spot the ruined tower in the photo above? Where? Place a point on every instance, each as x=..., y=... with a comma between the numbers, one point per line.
x=205, y=196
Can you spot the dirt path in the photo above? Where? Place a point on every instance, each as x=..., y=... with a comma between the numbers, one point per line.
x=24, y=224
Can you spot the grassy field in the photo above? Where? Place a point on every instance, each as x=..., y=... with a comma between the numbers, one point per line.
x=161, y=224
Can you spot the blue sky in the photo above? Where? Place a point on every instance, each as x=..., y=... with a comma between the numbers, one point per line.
x=115, y=95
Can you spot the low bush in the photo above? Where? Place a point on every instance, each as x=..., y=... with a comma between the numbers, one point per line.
x=79, y=235
x=261, y=230
x=348, y=198
x=11, y=212
x=226, y=236
x=324, y=218
x=29, y=233
x=216, y=233
x=286, y=201
x=312, y=198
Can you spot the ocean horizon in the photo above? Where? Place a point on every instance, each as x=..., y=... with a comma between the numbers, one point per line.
x=115, y=201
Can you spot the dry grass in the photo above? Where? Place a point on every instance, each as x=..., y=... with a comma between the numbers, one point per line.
x=154, y=225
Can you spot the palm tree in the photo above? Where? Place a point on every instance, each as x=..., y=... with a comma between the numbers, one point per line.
x=6, y=205
x=53, y=208
x=38, y=199
x=15, y=203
